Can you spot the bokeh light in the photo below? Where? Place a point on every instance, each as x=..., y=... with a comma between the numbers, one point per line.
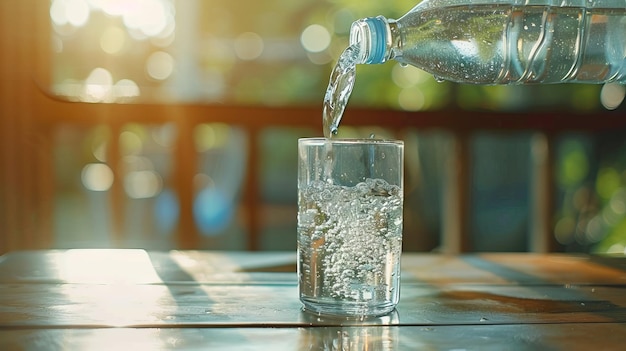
x=72, y=12
x=97, y=177
x=248, y=46
x=142, y=184
x=608, y=181
x=411, y=99
x=114, y=27
x=112, y=40
x=213, y=210
x=98, y=86
x=149, y=18
x=210, y=135
x=166, y=211
x=130, y=143
x=315, y=38
x=409, y=76
x=165, y=135
x=99, y=142
x=612, y=95
x=574, y=164
x=160, y=65
x=126, y=89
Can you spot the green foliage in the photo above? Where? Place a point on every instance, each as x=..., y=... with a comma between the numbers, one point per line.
x=390, y=9
x=574, y=166
x=607, y=183
x=615, y=241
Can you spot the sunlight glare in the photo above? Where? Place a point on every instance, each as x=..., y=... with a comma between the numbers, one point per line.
x=112, y=7
x=57, y=12
x=98, y=86
x=468, y=48
x=74, y=12
x=119, y=339
x=143, y=18
x=125, y=89
x=104, y=266
x=77, y=12
x=149, y=16
x=117, y=287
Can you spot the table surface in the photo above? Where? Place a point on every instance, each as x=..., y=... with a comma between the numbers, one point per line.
x=197, y=300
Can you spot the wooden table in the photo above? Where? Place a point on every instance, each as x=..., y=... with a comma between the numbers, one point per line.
x=193, y=300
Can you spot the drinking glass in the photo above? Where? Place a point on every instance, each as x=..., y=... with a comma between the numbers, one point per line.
x=350, y=200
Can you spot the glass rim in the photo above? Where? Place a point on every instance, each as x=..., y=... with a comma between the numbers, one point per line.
x=319, y=141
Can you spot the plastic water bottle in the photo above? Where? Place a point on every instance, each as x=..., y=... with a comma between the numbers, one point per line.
x=502, y=41
x=489, y=42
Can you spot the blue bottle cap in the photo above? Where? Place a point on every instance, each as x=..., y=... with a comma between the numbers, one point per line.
x=378, y=36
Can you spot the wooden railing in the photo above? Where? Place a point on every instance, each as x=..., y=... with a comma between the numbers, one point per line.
x=29, y=115
x=253, y=119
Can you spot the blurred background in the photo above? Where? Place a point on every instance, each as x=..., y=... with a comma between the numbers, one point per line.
x=165, y=124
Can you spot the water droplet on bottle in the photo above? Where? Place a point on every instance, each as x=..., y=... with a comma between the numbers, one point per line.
x=439, y=79
x=402, y=64
x=372, y=136
x=483, y=319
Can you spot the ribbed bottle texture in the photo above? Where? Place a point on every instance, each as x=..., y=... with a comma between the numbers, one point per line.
x=503, y=41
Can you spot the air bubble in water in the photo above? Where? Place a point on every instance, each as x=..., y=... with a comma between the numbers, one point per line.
x=353, y=265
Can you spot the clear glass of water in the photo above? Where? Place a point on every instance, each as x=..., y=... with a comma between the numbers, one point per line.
x=350, y=198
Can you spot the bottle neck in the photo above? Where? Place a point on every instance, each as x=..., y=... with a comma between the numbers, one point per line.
x=372, y=35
